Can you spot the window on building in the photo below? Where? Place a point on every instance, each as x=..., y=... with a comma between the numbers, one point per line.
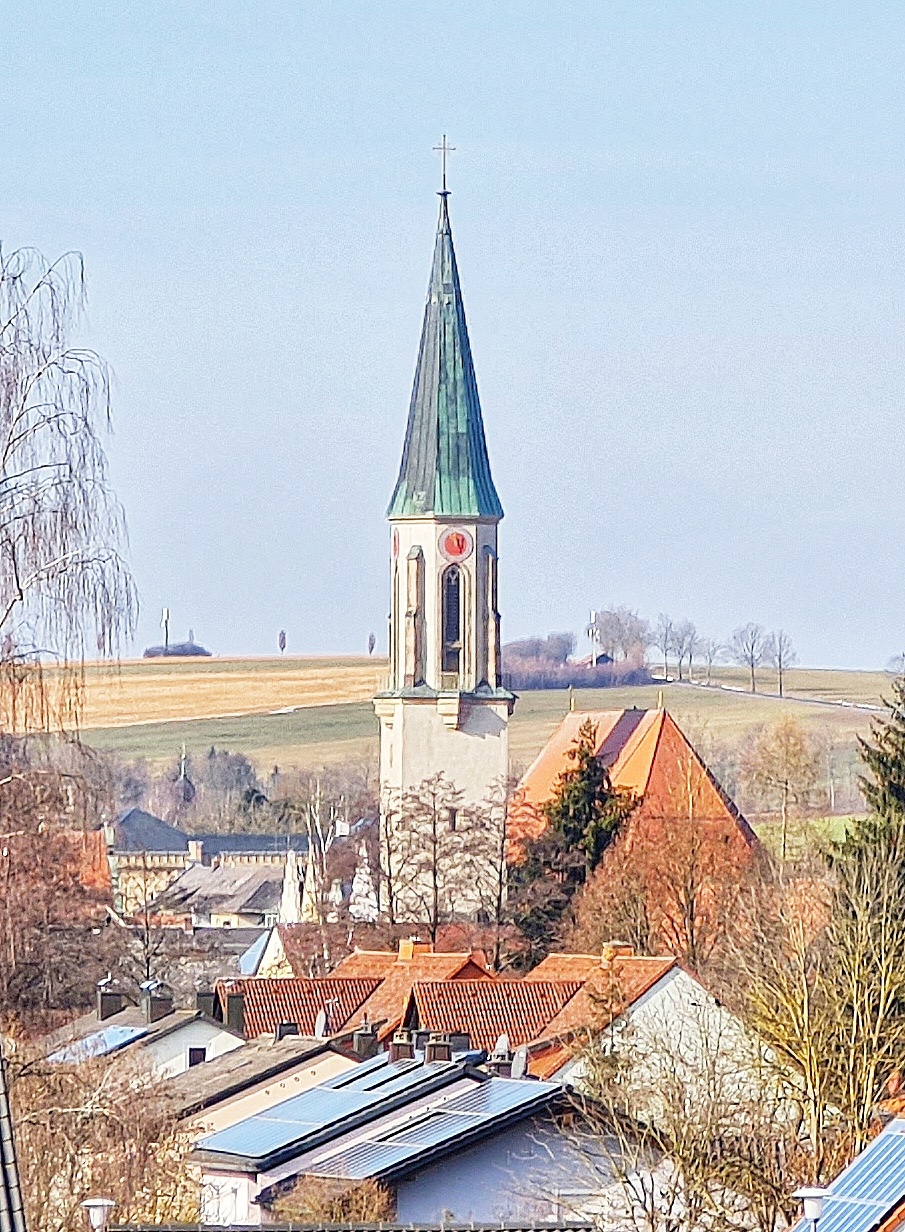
x=452, y=619
x=452, y=817
x=197, y=1056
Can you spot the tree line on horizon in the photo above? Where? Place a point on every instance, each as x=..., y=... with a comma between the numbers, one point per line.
x=621, y=640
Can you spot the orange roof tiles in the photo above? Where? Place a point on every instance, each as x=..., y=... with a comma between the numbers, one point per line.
x=487, y=1009
x=269, y=1002
x=547, y=1061
x=387, y=1004
x=565, y=967
x=607, y=993
x=367, y=964
x=647, y=755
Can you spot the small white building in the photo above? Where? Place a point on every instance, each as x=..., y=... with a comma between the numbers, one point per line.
x=155, y=1038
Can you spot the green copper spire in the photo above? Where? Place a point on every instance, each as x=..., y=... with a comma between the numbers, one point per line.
x=445, y=470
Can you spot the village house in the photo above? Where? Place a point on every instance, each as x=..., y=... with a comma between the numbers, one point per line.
x=649, y=757
x=571, y=1000
x=145, y=855
x=367, y=986
x=439, y=1133
x=156, y=1039
x=222, y=896
x=250, y=1080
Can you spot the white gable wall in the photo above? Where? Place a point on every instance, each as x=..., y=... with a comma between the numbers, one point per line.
x=169, y=1055
x=678, y=1023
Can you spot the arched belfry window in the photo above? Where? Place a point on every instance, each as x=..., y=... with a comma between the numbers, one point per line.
x=452, y=620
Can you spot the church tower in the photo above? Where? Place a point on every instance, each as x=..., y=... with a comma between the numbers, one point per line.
x=444, y=710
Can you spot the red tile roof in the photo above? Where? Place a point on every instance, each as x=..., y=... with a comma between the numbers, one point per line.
x=368, y=964
x=387, y=1004
x=268, y=1002
x=487, y=1009
x=547, y=1061
x=607, y=993
x=647, y=755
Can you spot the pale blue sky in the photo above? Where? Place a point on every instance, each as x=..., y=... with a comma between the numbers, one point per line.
x=680, y=235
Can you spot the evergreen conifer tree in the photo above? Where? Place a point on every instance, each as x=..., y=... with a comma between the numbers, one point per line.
x=884, y=756
x=583, y=817
x=585, y=811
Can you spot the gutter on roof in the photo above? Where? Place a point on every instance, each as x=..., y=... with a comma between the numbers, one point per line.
x=277, y=1068
x=483, y=1130
x=434, y=1081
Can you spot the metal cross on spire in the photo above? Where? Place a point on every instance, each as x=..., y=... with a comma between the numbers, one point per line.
x=444, y=150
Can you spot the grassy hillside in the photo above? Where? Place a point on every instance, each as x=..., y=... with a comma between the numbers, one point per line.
x=311, y=712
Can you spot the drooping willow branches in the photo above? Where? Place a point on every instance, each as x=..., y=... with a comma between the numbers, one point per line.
x=64, y=585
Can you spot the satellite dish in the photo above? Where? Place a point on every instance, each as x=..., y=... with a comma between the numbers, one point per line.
x=520, y=1061
x=501, y=1047
x=320, y=1025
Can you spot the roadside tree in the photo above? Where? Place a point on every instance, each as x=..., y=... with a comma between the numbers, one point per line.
x=747, y=647
x=780, y=654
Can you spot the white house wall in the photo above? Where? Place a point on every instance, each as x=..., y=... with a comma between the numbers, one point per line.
x=169, y=1055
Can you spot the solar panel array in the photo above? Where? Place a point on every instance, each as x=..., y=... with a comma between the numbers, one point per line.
x=369, y=1093
x=97, y=1045
x=871, y=1187
x=452, y=1121
x=331, y=1103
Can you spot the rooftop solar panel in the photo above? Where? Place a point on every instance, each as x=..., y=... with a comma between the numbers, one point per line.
x=362, y=1161
x=357, y=1074
x=449, y=1121
x=871, y=1186
x=496, y=1096
x=291, y=1121
x=97, y=1045
x=878, y=1173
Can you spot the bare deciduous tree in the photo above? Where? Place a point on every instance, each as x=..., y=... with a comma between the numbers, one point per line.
x=663, y=639
x=711, y=651
x=747, y=647
x=64, y=586
x=780, y=654
x=690, y=1125
x=684, y=636
x=622, y=634
x=81, y=1131
x=783, y=767
x=428, y=833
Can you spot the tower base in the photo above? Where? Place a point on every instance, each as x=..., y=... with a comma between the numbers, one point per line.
x=444, y=765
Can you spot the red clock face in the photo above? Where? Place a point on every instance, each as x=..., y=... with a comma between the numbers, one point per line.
x=455, y=545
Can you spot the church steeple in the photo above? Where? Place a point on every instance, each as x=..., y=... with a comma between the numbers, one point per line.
x=445, y=469
x=443, y=710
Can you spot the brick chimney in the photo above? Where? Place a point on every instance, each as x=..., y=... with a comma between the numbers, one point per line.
x=438, y=1048
x=615, y=949
x=410, y=946
x=156, y=1000
x=401, y=1046
x=110, y=999
x=364, y=1041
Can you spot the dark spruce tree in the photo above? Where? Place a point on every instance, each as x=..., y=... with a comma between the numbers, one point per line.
x=583, y=817
x=884, y=757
